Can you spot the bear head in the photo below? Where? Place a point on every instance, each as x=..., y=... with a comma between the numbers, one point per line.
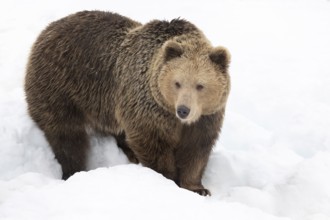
x=191, y=78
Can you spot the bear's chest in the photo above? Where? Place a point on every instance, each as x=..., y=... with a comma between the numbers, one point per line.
x=169, y=130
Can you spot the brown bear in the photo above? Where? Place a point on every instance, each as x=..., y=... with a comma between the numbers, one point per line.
x=160, y=89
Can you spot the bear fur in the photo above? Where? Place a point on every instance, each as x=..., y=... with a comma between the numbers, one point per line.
x=160, y=89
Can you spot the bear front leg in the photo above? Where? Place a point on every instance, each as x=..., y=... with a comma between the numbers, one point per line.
x=194, y=150
x=121, y=143
x=191, y=164
x=155, y=153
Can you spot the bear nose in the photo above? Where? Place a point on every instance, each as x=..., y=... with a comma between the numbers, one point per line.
x=183, y=111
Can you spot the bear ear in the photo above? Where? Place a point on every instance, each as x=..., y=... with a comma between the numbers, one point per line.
x=220, y=56
x=172, y=50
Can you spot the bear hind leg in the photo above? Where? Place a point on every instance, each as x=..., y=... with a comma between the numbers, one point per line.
x=69, y=147
x=65, y=132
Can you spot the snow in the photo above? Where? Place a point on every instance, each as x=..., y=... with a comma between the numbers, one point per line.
x=271, y=162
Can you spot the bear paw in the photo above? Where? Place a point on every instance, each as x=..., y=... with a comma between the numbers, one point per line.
x=203, y=192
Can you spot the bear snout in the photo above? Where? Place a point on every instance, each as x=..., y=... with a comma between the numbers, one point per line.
x=183, y=111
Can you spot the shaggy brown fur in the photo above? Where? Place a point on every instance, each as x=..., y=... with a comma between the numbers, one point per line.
x=160, y=89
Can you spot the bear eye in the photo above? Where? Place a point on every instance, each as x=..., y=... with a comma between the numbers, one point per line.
x=199, y=87
x=177, y=85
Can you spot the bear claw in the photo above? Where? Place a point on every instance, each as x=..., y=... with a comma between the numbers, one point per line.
x=203, y=192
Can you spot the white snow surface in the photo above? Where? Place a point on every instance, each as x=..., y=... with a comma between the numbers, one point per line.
x=272, y=160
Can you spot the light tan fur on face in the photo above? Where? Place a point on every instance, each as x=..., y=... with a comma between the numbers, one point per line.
x=195, y=81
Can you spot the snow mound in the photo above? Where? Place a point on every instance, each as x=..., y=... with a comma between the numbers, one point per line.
x=124, y=192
